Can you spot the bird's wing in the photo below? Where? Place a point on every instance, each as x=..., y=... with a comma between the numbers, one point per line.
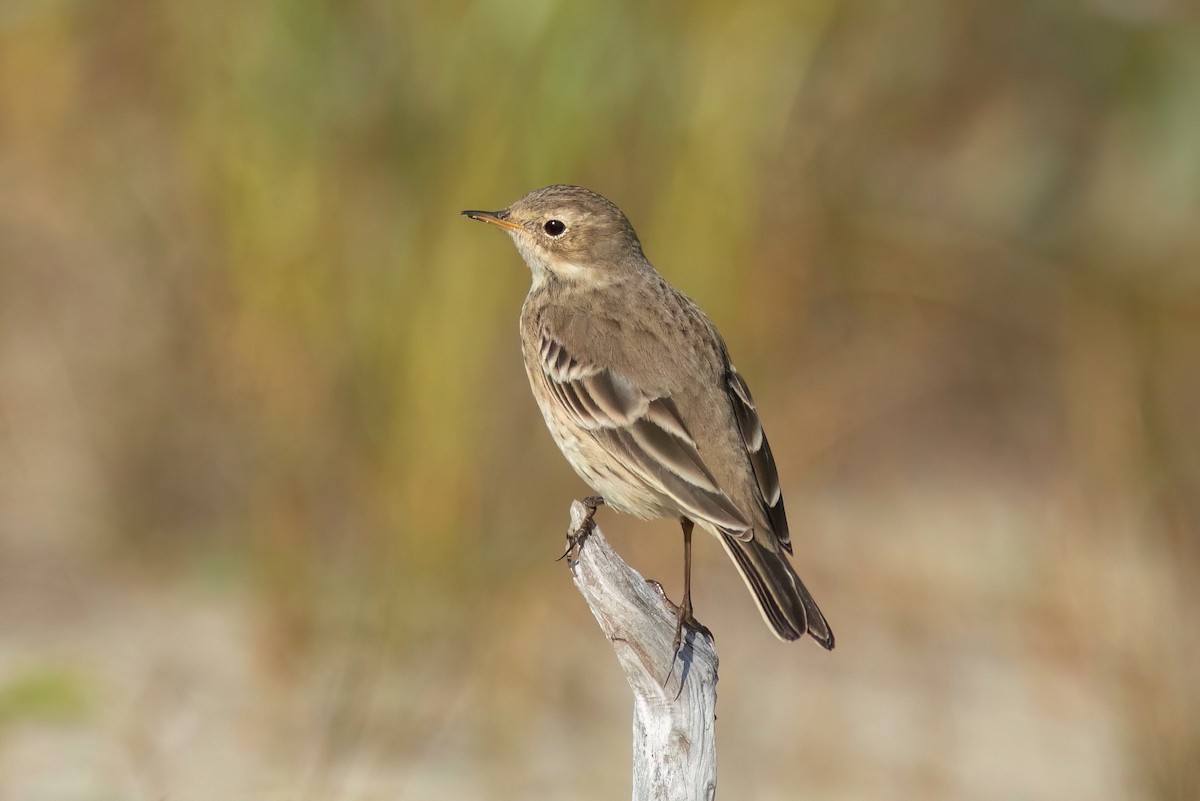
x=765, y=474
x=644, y=431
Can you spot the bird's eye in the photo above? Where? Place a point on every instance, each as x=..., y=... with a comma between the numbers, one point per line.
x=554, y=227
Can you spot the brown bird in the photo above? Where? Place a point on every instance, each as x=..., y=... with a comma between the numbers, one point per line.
x=638, y=391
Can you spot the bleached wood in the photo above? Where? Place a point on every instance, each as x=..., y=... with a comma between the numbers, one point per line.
x=674, y=749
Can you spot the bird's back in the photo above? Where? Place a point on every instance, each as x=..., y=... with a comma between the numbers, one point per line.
x=662, y=342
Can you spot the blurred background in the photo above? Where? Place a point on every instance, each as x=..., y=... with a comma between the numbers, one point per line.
x=278, y=516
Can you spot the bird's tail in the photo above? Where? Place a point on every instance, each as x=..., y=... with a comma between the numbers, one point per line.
x=782, y=597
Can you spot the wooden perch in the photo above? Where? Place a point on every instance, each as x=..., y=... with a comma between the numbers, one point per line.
x=674, y=698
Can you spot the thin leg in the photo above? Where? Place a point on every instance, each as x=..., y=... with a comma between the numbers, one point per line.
x=687, y=526
x=685, y=617
x=576, y=537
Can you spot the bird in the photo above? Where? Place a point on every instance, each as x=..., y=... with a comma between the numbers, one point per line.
x=638, y=390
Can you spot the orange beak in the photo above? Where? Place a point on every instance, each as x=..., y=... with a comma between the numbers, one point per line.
x=499, y=218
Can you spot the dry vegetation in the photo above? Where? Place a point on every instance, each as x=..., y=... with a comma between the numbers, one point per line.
x=278, y=517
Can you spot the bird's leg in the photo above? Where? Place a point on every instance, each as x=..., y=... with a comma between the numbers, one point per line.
x=683, y=614
x=576, y=537
x=687, y=525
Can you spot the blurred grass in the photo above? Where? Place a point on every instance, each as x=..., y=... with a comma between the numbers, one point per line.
x=246, y=343
x=45, y=695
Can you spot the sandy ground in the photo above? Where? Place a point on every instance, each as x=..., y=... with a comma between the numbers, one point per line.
x=959, y=674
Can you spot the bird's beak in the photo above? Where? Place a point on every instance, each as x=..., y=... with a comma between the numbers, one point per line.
x=499, y=218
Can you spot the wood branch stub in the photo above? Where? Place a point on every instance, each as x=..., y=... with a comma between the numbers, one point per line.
x=674, y=698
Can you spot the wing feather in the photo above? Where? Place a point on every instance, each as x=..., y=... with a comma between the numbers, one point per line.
x=619, y=400
x=646, y=432
x=761, y=459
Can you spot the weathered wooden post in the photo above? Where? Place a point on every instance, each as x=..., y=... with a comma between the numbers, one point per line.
x=674, y=699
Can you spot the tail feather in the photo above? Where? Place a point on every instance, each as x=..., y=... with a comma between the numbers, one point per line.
x=782, y=598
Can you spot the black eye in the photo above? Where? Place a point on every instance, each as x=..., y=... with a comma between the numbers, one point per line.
x=554, y=227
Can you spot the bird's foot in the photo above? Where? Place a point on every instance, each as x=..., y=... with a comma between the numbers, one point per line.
x=575, y=538
x=684, y=619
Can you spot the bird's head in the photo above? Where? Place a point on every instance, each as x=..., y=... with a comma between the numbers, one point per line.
x=570, y=233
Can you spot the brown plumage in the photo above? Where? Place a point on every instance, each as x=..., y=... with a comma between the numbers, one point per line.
x=638, y=391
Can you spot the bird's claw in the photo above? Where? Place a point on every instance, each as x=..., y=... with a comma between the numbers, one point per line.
x=575, y=538
x=683, y=618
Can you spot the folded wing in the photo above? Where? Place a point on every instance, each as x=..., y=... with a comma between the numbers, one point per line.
x=765, y=474
x=641, y=429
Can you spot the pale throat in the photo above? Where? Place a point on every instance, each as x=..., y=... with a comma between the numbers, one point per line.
x=542, y=266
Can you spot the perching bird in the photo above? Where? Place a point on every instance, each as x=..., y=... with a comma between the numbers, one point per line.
x=638, y=391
